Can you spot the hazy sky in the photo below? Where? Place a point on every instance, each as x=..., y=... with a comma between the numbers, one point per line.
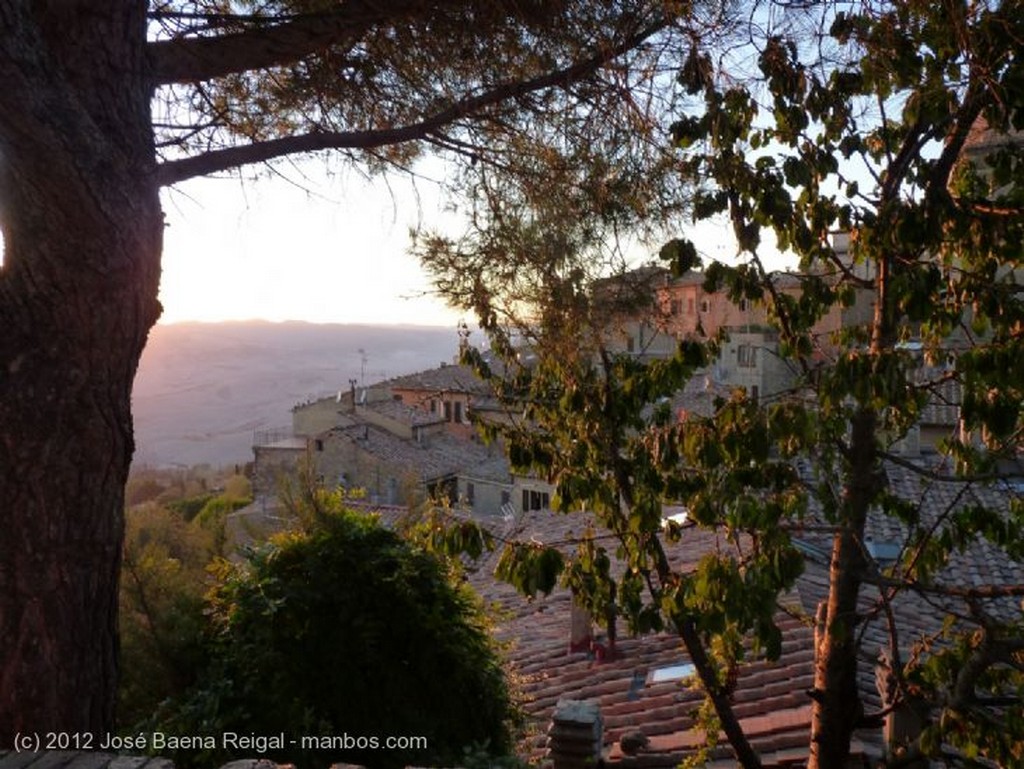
x=305, y=245
x=313, y=247
x=302, y=247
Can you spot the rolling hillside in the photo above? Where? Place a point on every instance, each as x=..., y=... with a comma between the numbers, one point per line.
x=203, y=388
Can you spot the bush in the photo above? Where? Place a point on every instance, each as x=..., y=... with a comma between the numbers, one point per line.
x=345, y=629
x=161, y=609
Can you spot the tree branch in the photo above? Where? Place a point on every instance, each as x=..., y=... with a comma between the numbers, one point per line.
x=935, y=475
x=188, y=60
x=173, y=171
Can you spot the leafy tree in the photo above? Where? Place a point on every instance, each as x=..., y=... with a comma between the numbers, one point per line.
x=163, y=582
x=345, y=629
x=103, y=106
x=859, y=119
x=238, y=490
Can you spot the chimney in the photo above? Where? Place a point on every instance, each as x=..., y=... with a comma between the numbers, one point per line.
x=904, y=720
x=581, y=628
x=576, y=735
x=910, y=444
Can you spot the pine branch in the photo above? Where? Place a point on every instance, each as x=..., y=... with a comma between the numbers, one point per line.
x=189, y=60
x=173, y=171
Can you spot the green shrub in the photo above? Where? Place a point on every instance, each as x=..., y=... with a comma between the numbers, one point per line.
x=163, y=579
x=189, y=507
x=346, y=629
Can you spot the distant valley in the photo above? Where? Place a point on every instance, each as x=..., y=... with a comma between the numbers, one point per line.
x=204, y=388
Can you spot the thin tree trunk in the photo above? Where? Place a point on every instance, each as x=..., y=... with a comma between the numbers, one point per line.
x=82, y=233
x=837, y=703
x=746, y=756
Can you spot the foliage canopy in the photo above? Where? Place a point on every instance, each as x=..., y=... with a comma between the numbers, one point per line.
x=896, y=124
x=345, y=628
x=106, y=104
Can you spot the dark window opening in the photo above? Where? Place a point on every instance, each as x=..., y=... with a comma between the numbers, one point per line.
x=746, y=356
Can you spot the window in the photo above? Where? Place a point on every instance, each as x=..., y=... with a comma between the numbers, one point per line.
x=506, y=497
x=630, y=344
x=433, y=406
x=743, y=305
x=447, y=411
x=671, y=673
x=885, y=552
x=675, y=307
x=535, y=500
x=689, y=305
x=746, y=356
x=319, y=444
x=470, y=494
x=458, y=411
x=705, y=305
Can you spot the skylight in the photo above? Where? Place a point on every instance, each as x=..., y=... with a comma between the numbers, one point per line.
x=886, y=552
x=671, y=673
x=678, y=517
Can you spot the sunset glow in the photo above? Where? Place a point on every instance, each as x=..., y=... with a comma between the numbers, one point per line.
x=335, y=251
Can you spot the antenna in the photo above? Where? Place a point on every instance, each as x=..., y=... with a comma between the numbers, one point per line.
x=362, y=365
x=463, y=331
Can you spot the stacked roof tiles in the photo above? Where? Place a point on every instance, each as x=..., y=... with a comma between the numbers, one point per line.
x=640, y=695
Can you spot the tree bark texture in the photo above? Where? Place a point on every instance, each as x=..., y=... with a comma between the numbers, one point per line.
x=82, y=236
x=837, y=704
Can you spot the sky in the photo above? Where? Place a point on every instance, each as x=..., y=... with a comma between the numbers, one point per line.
x=299, y=245
x=306, y=245
x=315, y=247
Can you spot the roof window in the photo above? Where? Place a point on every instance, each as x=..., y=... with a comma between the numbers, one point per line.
x=671, y=673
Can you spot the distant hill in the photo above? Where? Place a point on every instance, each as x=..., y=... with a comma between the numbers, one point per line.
x=203, y=388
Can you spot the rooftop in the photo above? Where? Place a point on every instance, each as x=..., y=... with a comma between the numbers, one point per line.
x=404, y=414
x=770, y=697
x=441, y=457
x=446, y=378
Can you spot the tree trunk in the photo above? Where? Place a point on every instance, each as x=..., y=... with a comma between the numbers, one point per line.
x=837, y=700
x=82, y=233
x=837, y=704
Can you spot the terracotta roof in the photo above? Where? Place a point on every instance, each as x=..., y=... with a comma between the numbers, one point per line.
x=771, y=698
x=939, y=494
x=633, y=284
x=441, y=457
x=919, y=615
x=447, y=378
x=404, y=414
x=494, y=467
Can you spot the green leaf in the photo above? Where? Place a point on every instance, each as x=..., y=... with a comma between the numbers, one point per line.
x=682, y=255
